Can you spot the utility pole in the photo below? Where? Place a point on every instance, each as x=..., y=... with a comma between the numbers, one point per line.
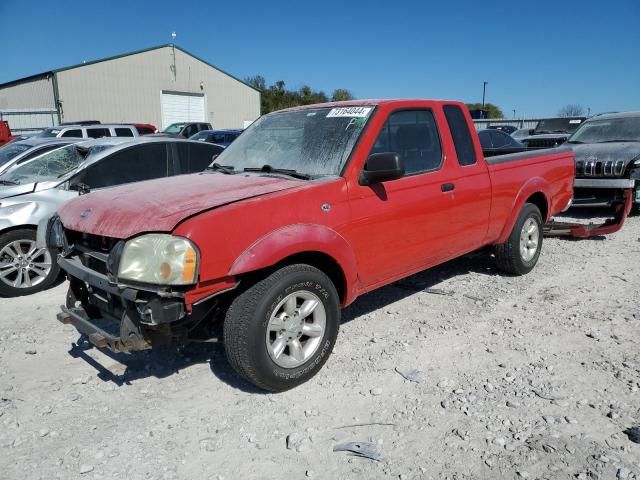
x=588, y=111
x=484, y=91
x=514, y=113
x=172, y=67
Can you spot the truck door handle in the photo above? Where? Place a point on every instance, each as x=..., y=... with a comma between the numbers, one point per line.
x=447, y=187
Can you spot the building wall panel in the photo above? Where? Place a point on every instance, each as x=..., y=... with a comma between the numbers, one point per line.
x=29, y=94
x=128, y=89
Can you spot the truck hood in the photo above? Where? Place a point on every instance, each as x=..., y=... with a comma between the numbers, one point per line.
x=625, y=151
x=159, y=205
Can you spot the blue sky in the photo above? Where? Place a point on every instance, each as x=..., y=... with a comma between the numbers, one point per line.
x=537, y=56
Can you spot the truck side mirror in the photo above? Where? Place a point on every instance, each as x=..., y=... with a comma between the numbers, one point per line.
x=381, y=167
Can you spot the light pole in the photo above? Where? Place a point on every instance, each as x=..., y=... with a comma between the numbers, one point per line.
x=514, y=113
x=588, y=111
x=484, y=91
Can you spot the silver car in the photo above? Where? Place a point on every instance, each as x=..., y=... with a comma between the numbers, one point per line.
x=20, y=151
x=32, y=191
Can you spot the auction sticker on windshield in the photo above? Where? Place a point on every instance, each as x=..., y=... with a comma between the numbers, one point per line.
x=349, y=112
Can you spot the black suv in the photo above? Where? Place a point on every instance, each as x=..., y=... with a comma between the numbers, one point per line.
x=552, y=132
x=607, y=151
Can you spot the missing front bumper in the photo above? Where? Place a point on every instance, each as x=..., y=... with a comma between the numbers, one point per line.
x=98, y=335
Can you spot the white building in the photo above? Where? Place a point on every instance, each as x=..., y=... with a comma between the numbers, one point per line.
x=159, y=85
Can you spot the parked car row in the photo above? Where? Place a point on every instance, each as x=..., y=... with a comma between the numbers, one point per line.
x=306, y=210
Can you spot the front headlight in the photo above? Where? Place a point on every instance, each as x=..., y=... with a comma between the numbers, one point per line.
x=159, y=259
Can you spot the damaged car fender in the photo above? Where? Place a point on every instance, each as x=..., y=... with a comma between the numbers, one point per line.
x=301, y=239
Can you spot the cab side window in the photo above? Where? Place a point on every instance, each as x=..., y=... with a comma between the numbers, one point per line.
x=413, y=135
x=98, y=132
x=75, y=133
x=461, y=135
x=195, y=157
x=142, y=162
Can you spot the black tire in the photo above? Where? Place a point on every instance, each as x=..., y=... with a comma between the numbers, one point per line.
x=26, y=235
x=247, y=319
x=508, y=255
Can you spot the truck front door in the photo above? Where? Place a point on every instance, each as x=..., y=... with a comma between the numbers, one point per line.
x=402, y=225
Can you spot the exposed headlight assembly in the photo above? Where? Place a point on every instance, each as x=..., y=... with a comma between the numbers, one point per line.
x=159, y=259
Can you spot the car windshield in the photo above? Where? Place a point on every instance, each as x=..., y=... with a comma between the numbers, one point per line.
x=47, y=133
x=11, y=151
x=558, y=125
x=48, y=166
x=314, y=142
x=625, y=129
x=174, y=128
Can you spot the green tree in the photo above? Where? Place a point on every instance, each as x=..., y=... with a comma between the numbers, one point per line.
x=493, y=111
x=341, y=94
x=276, y=97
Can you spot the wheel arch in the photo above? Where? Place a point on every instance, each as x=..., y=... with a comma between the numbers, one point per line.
x=535, y=191
x=315, y=245
x=18, y=227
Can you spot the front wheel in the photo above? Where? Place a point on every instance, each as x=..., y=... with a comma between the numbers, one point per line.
x=24, y=268
x=520, y=253
x=280, y=331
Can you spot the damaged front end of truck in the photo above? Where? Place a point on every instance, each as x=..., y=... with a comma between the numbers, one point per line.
x=121, y=314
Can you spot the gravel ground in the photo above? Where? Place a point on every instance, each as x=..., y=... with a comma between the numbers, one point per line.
x=457, y=372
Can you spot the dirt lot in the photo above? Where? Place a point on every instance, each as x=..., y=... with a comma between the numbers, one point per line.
x=531, y=377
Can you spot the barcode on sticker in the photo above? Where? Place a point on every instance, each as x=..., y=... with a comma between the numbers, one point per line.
x=349, y=112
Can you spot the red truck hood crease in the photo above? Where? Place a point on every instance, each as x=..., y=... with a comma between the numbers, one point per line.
x=159, y=205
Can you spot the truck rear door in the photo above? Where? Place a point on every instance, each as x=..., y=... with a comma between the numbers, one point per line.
x=471, y=185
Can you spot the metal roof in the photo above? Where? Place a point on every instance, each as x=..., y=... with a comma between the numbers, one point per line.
x=136, y=52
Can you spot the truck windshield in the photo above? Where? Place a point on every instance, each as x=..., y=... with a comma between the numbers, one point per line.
x=48, y=166
x=12, y=150
x=558, y=125
x=626, y=129
x=174, y=128
x=314, y=141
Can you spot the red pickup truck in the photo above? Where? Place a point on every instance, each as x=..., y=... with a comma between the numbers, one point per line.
x=308, y=209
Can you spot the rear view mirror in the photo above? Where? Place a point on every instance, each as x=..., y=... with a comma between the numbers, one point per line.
x=381, y=167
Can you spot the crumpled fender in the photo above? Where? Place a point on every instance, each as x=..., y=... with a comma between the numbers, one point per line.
x=300, y=238
x=533, y=185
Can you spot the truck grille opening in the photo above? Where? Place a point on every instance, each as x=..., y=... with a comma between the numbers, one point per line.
x=93, y=250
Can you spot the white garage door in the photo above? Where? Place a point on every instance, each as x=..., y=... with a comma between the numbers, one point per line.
x=181, y=107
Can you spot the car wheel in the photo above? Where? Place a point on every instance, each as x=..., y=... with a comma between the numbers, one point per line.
x=24, y=268
x=280, y=331
x=520, y=253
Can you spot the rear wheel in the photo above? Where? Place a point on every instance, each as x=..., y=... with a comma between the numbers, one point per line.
x=520, y=253
x=24, y=268
x=279, y=332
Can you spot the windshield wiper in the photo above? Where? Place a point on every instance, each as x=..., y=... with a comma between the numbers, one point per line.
x=284, y=171
x=226, y=169
x=574, y=141
x=618, y=140
x=8, y=182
